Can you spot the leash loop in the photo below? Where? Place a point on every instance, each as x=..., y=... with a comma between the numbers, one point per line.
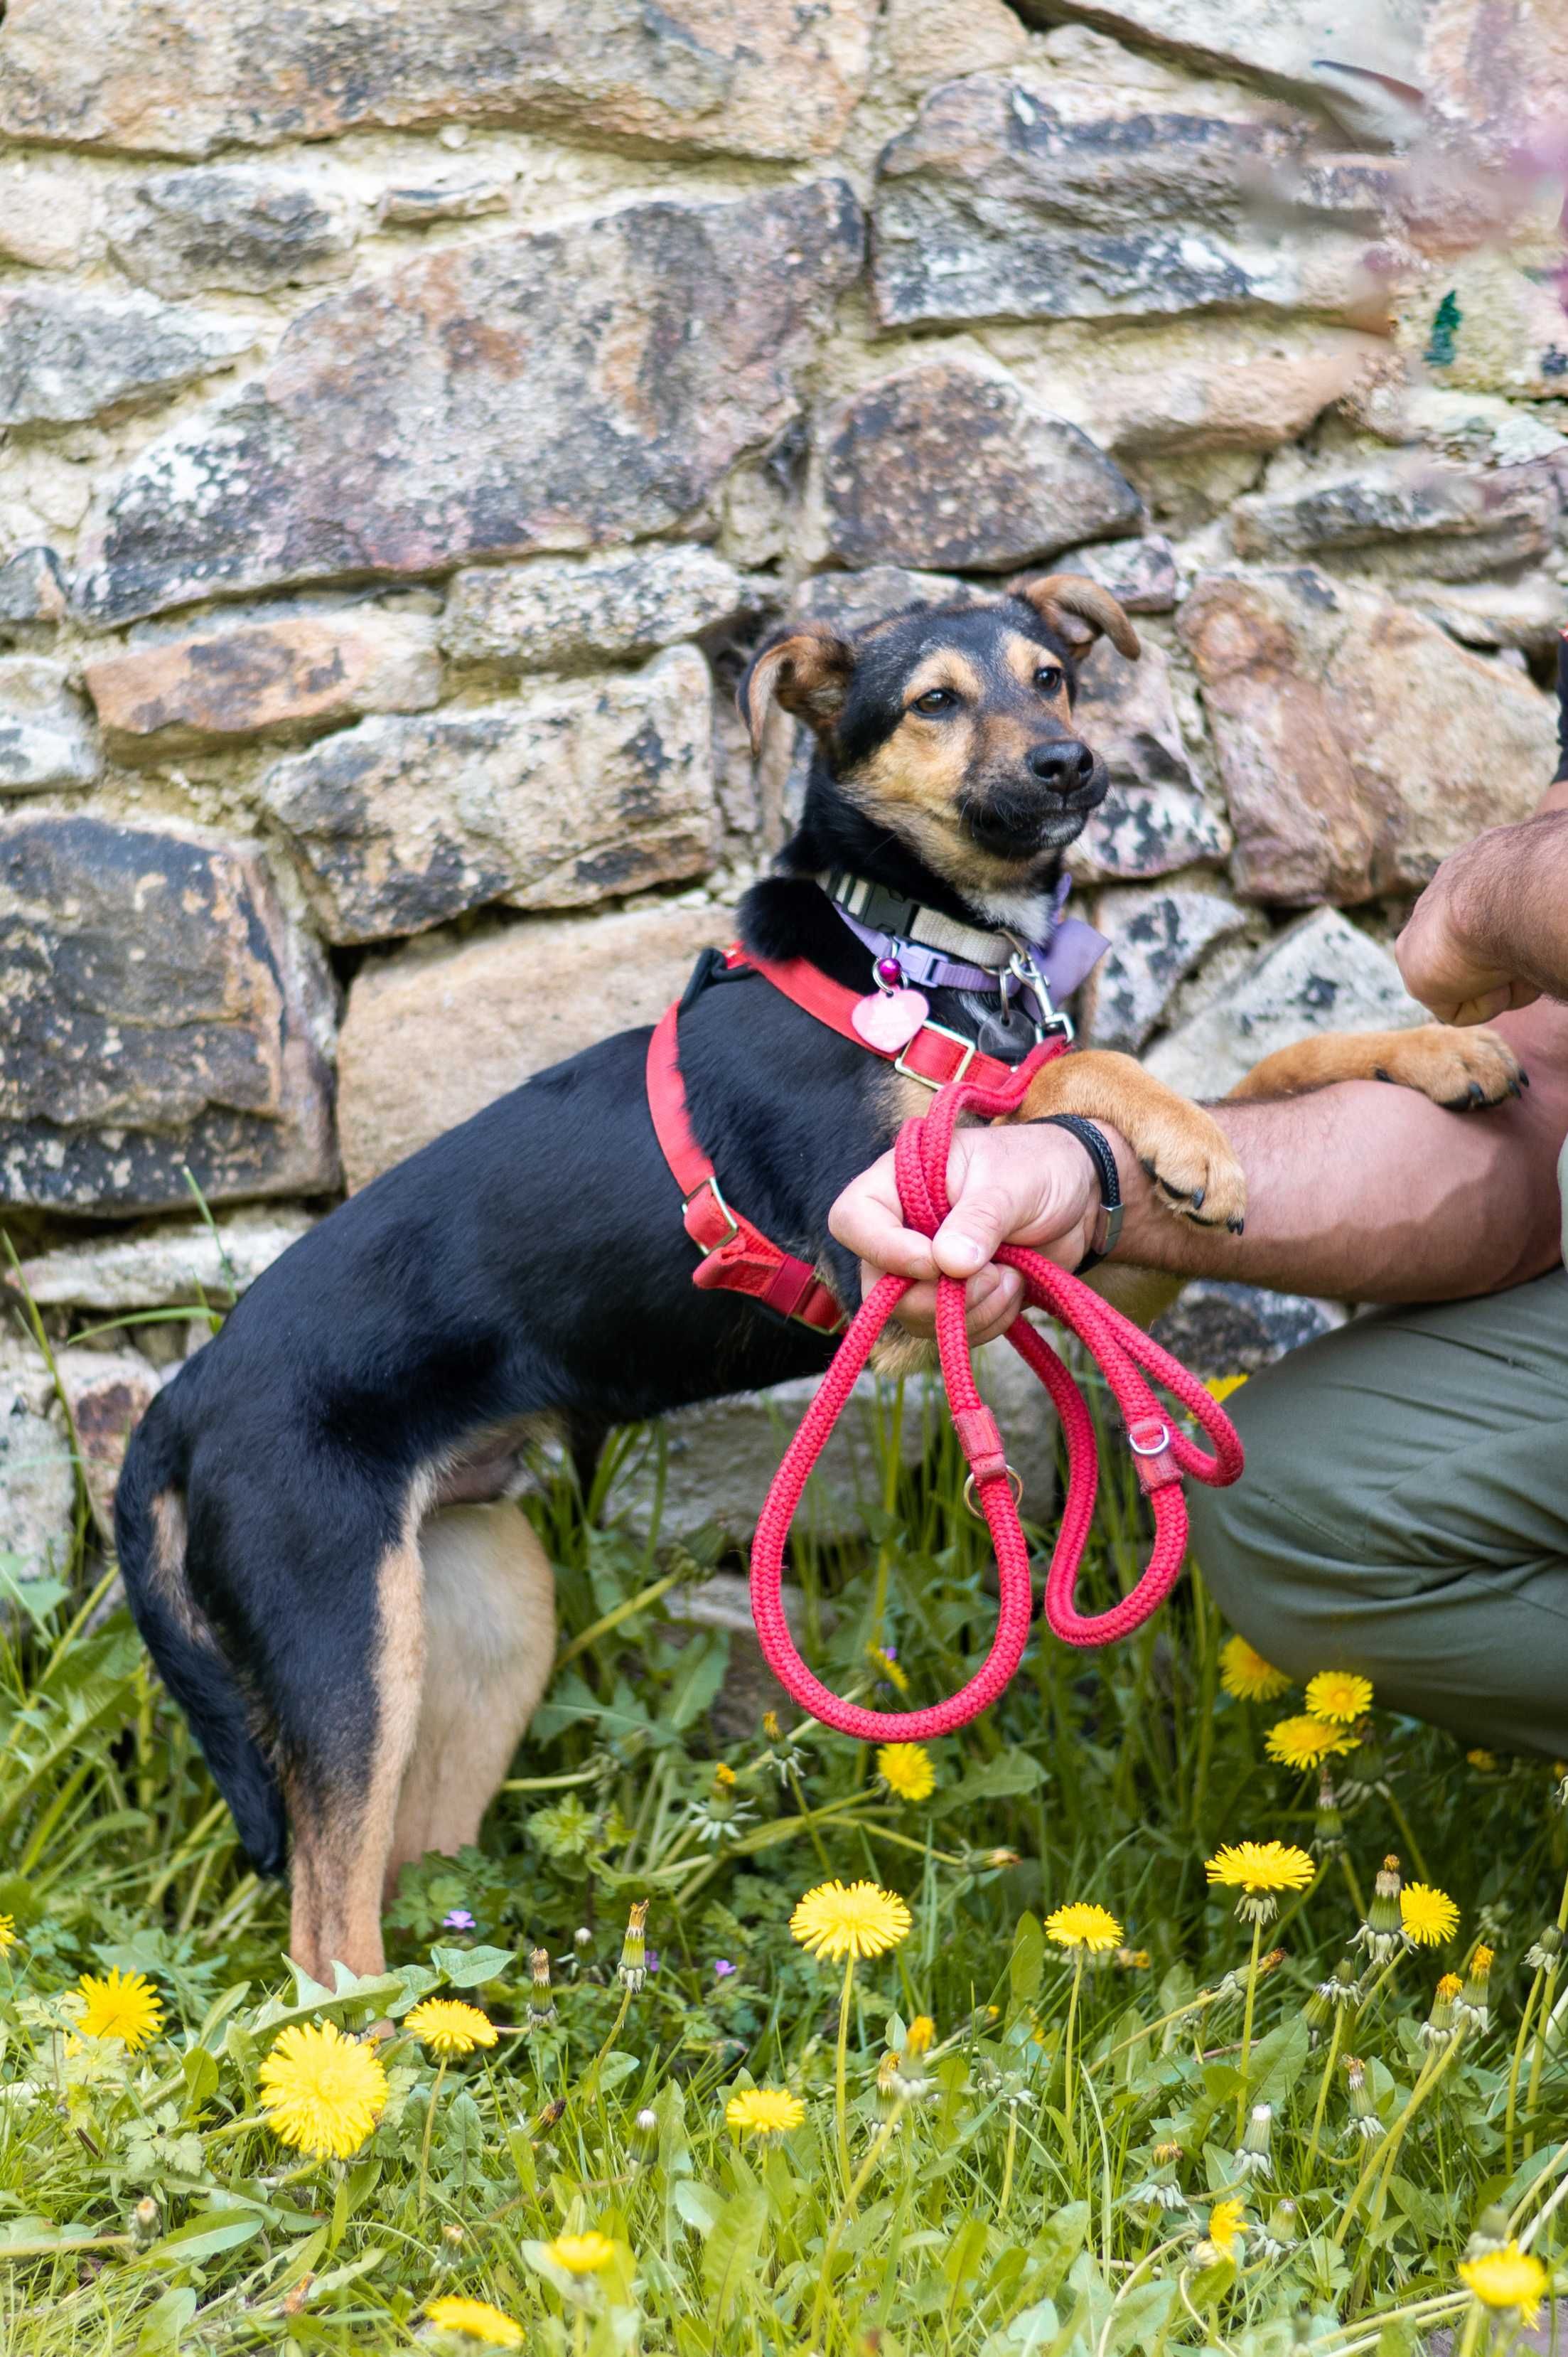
x=1129, y=1359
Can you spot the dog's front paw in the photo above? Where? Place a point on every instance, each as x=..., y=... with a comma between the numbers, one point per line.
x=1194, y=1168
x=1462, y=1070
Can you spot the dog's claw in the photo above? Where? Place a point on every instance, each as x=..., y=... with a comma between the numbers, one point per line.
x=1477, y=1093
x=1236, y=1226
x=1523, y=1078
x=1196, y=1198
x=1379, y=1073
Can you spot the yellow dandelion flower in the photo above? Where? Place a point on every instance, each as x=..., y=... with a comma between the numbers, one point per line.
x=921, y=2036
x=889, y=1668
x=1427, y=1916
x=125, y=2006
x=581, y=2255
x=1244, y=1672
x=1260, y=1866
x=1220, y=1387
x=1340, y=1695
x=725, y=1776
x=8, y=1935
x=1082, y=1925
x=322, y=2092
x=1225, y=2222
x=858, y=1918
x=1482, y=1761
x=906, y=1769
x=1506, y=2278
x=764, y=2111
x=478, y=2319
x=1307, y=1742
x=448, y=2027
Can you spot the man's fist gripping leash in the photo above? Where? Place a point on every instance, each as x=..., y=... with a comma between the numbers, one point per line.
x=1125, y=1356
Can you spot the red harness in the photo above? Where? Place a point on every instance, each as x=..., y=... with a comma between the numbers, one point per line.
x=737, y=1257
x=740, y=1258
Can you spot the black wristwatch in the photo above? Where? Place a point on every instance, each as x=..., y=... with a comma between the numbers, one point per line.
x=1097, y=1145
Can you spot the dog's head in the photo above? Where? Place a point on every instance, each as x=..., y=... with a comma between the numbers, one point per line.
x=950, y=728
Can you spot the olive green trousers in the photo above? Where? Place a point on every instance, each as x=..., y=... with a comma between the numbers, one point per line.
x=1404, y=1512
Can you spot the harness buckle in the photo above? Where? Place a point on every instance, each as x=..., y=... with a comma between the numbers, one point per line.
x=710, y=1185
x=971, y=1049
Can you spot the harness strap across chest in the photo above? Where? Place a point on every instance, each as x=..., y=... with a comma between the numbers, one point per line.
x=737, y=1257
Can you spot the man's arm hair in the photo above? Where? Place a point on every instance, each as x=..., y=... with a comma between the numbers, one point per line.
x=1509, y=903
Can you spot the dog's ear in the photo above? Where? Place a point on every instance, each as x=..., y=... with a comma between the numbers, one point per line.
x=1077, y=608
x=806, y=670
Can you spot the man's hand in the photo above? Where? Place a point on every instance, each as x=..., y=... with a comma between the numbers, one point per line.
x=1447, y=952
x=1489, y=933
x=1025, y=1185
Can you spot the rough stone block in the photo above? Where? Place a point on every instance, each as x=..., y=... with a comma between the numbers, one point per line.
x=562, y=390
x=45, y=737
x=164, y=1264
x=160, y=1012
x=1155, y=817
x=283, y=676
x=38, y=1480
x=32, y=588
x=726, y=77
x=1018, y=197
x=945, y=465
x=464, y=200
x=231, y=230
x=444, y=1027
x=66, y=355
x=46, y=214
x=557, y=614
x=108, y=1392
x=1452, y=523
x=1357, y=745
x=1238, y=1329
x=1157, y=941
x=567, y=796
x=1322, y=975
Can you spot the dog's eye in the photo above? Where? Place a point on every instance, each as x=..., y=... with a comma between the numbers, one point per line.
x=935, y=700
x=1048, y=679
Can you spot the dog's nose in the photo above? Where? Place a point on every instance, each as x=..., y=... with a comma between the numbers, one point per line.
x=1064, y=764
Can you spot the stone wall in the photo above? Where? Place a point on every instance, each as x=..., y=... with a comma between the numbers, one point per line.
x=410, y=417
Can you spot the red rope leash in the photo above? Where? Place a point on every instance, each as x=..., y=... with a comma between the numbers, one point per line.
x=1126, y=1355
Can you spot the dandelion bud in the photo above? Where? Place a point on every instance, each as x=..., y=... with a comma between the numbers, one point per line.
x=1366, y=1771
x=1491, y=2233
x=451, y=2249
x=1364, y=2121
x=1329, y=1827
x=1251, y=2159
x=1342, y=1988
x=1382, y=1934
x=645, y=2135
x=1133, y=1959
x=1003, y=1857
x=1544, y=1955
x=1439, y=2026
x=145, y=2220
x=1472, y=2006
x=1560, y=1770
x=1160, y=2190
x=921, y=2036
x=634, y=1950
x=887, y=2077
x=770, y=1726
x=1281, y=2234
x=541, y=2003
x=581, y=1939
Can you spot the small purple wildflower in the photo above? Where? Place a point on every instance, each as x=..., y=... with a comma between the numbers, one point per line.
x=653, y=1959
x=459, y=1920
x=723, y=1968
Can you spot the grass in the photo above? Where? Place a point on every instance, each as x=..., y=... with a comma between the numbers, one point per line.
x=1055, y=2172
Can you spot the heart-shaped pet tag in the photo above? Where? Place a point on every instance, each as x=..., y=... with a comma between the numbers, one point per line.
x=889, y=1020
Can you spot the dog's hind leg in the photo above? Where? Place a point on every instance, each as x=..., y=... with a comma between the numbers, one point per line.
x=490, y=1645
x=343, y=1775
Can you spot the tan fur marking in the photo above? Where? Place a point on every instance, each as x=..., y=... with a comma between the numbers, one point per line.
x=943, y=667
x=1438, y=1059
x=1185, y=1146
x=340, y=1844
x=490, y=1645
x=1024, y=657
x=166, y=1570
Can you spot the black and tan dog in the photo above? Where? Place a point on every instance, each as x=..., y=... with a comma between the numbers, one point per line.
x=308, y=1520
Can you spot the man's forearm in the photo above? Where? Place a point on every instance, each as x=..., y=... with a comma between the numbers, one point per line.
x=1370, y=1192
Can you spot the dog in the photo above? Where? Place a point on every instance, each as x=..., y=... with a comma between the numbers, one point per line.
x=313, y=1519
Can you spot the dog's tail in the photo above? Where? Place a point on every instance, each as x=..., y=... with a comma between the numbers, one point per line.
x=149, y=1538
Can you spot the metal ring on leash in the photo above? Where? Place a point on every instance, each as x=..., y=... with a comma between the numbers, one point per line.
x=979, y=1512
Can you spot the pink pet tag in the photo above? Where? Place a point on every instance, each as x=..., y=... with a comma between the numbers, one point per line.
x=889, y=1020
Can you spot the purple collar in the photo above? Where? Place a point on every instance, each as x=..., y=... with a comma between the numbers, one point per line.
x=1066, y=954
